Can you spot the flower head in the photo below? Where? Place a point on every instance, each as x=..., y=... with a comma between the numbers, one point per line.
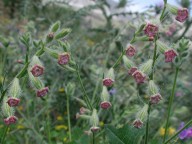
x=63, y=58
x=42, y=92
x=137, y=123
x=139, y=76
x=130, y=51
x=10, y=120
x=170, y=55
x=132, y=70
x=12, y=102
x=105, y=105
x=154, y=99
x=182, y=14
x=151, y=30
x=37, y=70
x=108, y=82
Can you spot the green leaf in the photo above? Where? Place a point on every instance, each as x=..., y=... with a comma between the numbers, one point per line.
x=125, y=135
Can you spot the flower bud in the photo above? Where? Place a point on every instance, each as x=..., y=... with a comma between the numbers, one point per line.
x=7, y=111
x=49, y=37
x=132, y=70
x=13, y=102
x=152, y=88
x=35, y=81
x=146, y=67
x=94, y=121
x=10, y=120
x=105, y=97
x=130, y=51
x=170, y=55
x=62, y=33
x=142, y=114
x=139, y=76
x=108, y=82
x=63, y=58
x=154, y=99
x=42, y=92
x=138, y=123
x=161, y=46
x=105, y=105
x=82, y=116
x=15, y=89
x=182, y=14
x=151, y=30
x=128, y=63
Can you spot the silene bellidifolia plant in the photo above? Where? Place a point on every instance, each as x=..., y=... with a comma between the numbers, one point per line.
x=144, y=74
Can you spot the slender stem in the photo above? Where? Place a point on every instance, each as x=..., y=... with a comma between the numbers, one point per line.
x=85, y=97
x=93, y=138
x=189, y=123
x=170, y=103
x=149, y=108
x=68, y=118
x=4, y=135
x=147, y=125
x=164, y=8
x=118, y=60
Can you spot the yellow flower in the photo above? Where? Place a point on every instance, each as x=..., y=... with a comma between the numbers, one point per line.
x=59, y=127
x=101, y=123
x=20, y=127
x=65, y=139
x=161, y=131
x=171, y=130
x=59, y=118
x=61, y=90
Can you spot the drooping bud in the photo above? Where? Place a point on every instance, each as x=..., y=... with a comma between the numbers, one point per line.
x=161, y=46
x=138, y=123
x=154, y=99
x=182, y=14
x=62, y=33
x=13, y=102
x=128, y=63
x=139, y=76
x=109, y=80
x=42, y=92
x=63, y=58
x=151, y=30
x=146, y=67
x=105, y=104
x=94, y=121
x=37, y=68
x=132, y=70
x=170, y=55
x=130, y=51
x=10, y=120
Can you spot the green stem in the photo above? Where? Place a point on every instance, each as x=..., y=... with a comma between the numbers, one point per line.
x=85, y=96
x=68, y=118
x=147, y=125
x=118, y=60
x=171, y=138
x=164, y=8
x=4, y=135
x=93, y=138
x=170, y=103
x=149, y=108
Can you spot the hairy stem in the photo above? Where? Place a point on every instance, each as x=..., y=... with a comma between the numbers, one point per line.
x=170, y=103
x=68, y=118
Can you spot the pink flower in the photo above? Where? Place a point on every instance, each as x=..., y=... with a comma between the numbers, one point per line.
x=139, y=76
x=63, y=59
x=170, y=55
x=151, y=30
x=130, y=51
x=42, y=92
x=137, y=123
x=105, y=105
x=182, y=15
x=151, y=38
x=12, y=102
x=132, y=70
x=95, y=129
x=108, y=82
x=154, y=99
x=37, y=70
x=10, y=120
